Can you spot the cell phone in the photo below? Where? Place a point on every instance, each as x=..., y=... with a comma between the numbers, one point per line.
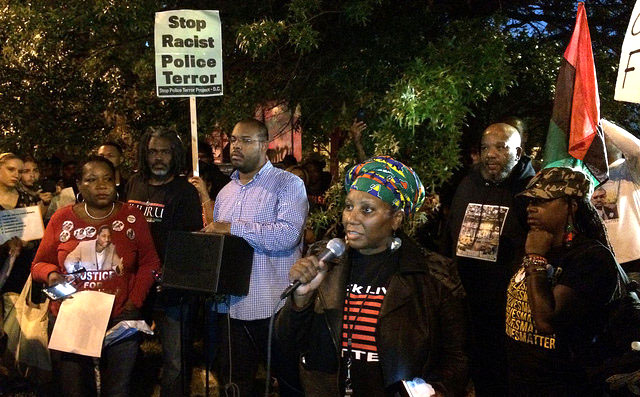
x=360, y=115
x=59, y=291
x=416, y=388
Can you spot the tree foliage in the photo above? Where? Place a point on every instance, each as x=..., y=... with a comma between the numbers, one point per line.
x=427, y=72
x=539, y=34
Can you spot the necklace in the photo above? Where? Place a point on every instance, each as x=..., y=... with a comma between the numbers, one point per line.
x=99, y=218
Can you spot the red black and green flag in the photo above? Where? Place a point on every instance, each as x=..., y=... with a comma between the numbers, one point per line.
x=575, y=138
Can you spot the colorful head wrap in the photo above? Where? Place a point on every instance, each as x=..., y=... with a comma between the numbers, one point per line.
x=389, y=180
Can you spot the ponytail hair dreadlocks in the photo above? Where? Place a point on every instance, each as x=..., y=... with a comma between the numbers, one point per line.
x=588, y=222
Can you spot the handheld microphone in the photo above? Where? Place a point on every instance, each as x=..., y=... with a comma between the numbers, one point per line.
x=335, y=248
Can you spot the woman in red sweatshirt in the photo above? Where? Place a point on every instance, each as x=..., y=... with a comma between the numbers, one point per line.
x=119, y=261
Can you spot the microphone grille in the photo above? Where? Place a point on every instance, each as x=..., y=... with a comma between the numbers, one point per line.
x=337, y=246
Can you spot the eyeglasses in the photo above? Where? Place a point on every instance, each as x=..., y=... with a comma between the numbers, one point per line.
x=244, y=141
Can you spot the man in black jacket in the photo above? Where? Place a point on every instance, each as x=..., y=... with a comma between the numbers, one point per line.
x=169, y=203
x=485, y=235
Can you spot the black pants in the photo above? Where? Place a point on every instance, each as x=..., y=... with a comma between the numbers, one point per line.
x=249, y=341
x=76, y=373
x=76, y=376
x=488, y=357
x=238, y=363
x=175, y=327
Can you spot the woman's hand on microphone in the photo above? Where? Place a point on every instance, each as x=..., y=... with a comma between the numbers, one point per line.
x=311, y=273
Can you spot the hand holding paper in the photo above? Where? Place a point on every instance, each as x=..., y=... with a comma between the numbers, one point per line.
x=81, y=323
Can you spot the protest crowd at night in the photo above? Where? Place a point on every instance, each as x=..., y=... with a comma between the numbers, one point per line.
x=264, y=265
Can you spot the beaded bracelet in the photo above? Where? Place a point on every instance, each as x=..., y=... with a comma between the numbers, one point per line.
x=535, y=264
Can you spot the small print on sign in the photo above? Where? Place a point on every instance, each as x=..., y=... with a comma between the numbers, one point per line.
x=188, y=48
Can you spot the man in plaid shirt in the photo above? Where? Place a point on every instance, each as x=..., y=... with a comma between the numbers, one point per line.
x=267, y=207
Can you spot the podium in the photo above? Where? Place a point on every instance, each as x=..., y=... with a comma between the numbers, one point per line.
x=206, y=262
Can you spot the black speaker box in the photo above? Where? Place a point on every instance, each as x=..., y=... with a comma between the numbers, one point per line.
x=205, y=262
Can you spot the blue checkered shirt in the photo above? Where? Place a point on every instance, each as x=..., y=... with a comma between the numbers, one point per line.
x=269, y=212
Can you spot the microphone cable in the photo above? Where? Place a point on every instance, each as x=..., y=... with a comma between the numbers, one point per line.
x=267, y=382
x=230, y=387
x=335, y=248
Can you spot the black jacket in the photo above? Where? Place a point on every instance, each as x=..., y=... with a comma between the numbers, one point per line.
x=420, y=331
x=486, y=282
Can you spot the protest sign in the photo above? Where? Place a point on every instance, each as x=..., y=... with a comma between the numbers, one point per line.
x=628, y=83
x=25, y=223
x=188, y=50
x=81, y=323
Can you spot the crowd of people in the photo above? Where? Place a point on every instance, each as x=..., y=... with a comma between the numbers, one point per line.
x=510, y=306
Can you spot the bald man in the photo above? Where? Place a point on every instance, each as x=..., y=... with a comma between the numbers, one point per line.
x=485, y=235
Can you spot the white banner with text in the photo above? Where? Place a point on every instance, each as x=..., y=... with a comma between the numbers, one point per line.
x=188, y=51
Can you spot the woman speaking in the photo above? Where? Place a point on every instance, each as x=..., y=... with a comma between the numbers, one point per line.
x=381, y=316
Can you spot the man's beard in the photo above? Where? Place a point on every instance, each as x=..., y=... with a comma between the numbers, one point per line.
x=511, y=164
x=504, y=172
x=160, y=173
x=248, y=165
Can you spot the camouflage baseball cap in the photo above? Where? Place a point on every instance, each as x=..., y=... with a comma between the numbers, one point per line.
x=555, y=182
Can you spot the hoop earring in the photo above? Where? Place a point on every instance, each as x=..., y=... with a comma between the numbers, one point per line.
x=79, y=198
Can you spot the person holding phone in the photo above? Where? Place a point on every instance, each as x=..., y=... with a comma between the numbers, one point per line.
x=111, y=229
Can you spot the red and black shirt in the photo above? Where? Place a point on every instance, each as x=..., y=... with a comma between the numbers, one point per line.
x=366, y=290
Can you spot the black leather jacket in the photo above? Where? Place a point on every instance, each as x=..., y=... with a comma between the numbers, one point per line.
x=420, y=332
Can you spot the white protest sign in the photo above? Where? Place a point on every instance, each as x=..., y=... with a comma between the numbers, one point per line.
x=188, y=49
x=628, y=83
x=81, y=323
x=25, y=223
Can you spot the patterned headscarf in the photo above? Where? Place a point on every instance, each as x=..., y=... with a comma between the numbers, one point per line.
x=390, y=181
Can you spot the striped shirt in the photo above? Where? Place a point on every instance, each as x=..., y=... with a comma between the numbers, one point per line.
x=270, y=213
x=366, y=290
x=360, y=318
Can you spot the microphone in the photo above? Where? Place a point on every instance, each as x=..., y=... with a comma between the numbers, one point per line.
x=335, y=248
